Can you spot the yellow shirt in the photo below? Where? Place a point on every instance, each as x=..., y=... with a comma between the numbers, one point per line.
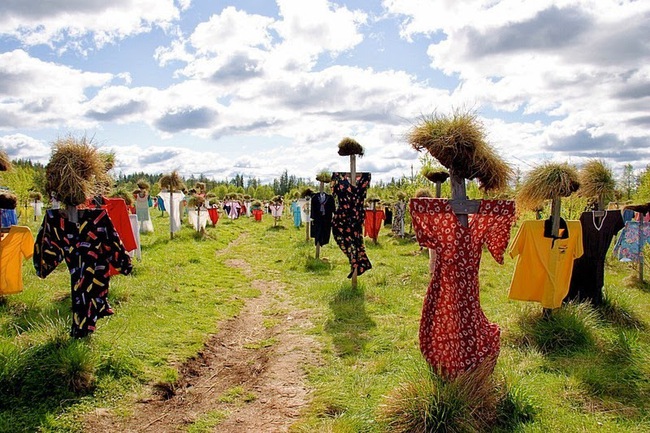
x=17, y=245
x=542, y=273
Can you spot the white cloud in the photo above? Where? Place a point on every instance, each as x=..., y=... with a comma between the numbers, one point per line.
x=64, y=23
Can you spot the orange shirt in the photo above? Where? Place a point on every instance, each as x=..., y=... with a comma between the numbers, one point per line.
x=16, y=246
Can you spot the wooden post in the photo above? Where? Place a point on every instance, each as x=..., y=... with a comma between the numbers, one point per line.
x=308, y=223
x=438, y=189
x=321, y=190
x=458, y=192
x=171, y=213
x=353, y=181
x=641, y=243
x=555, y=215
x=374, y=211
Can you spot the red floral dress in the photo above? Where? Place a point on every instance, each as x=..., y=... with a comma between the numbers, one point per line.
x=455, y=335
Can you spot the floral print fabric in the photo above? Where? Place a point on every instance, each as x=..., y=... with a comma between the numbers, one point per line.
x=455, y=335
x=88, y=248
x=347, y=221
x=627, y=245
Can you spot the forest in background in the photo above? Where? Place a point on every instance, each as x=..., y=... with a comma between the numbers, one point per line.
x=26, y=177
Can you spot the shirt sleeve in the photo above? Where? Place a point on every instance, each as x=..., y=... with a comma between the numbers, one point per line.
x=48, y=252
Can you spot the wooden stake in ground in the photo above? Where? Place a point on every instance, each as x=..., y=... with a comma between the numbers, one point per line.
x=321, y=190
x=353, y=181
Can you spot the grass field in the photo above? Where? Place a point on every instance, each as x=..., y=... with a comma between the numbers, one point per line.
x=583, y=370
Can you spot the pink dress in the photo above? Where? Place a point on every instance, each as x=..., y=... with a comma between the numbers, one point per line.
x=455, y=335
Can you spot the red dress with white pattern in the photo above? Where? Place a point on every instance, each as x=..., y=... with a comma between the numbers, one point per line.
x=455, y=335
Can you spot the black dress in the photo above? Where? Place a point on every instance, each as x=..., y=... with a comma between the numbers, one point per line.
x=322, y=209
x=588, y=274
x=88, y=247
x=347, y=222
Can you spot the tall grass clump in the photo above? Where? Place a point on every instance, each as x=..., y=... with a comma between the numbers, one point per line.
x=458, y=142
x=546, y=182
x=596, y=180
x=567, y=329
x=425, y=403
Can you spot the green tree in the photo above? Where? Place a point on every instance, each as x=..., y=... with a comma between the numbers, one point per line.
x=628, y=181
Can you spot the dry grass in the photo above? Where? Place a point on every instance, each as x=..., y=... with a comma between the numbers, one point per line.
x=434, y=175
x=425, y=403
x=76, y=171
x=546, y=182
x=423, y=192
x=143, y=184
x=172, y=181
x=349, y=146
x=306, y=192
x=458, y=143
x=324, y=176
x=5, y=162
x=8, y=200
x=35, y=195
x=596, y=180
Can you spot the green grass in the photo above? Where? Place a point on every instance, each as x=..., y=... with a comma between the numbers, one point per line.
x=581, y=369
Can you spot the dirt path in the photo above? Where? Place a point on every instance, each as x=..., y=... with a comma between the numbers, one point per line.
x=250, y=375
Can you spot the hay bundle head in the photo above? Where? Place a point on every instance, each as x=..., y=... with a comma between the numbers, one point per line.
x=247, y=197
x=423, y=192
x=143, y=184
x=277, y=199
x=35, y=196
x=8, y=200
x=196, y=201
x=435, y=175
x=172, y=181
x=349, y=146
x=5, y=162
x=256, y=204
x=324, y=176
x=458, y=143
x=75, y=171
x=306, y=192
x=200, y=187
x=210, y=195
x=596, y=180
x=546, y=182
x=401, y=195
x=124, y=195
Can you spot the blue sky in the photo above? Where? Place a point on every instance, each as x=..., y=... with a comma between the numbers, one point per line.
x=256, y=87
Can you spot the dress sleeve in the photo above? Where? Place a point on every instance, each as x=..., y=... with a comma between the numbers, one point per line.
x=48, y=252
x=500, y=222
x=421, y=223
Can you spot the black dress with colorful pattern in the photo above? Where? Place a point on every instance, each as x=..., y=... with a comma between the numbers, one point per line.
x=347, y=221
x=88, y=248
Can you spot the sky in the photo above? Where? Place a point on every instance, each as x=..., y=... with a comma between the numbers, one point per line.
x=257, y=87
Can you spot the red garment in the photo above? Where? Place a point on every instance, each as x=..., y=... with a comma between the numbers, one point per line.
x=119, y=216
x=373, y=222
x=257, y=213
x=455, y=335
x=213, y=213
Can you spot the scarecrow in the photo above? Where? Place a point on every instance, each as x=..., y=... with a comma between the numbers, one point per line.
x=347, y=221
x=455, y=334
x=599, y=227
x=85, y=238
x=171, y=186
x=546, y=249
x=142, y=200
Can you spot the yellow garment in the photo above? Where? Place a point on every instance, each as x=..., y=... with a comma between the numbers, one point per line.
x=17, y=245
x=542, y=273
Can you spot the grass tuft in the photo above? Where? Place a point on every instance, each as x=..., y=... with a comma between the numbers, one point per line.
x=565, y=330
